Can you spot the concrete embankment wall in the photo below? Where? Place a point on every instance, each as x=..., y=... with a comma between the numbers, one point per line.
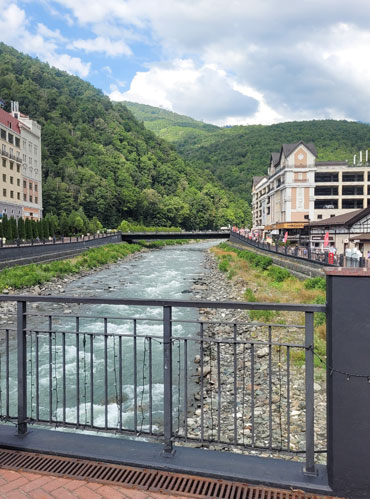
x=297, y=266
x=23, y=255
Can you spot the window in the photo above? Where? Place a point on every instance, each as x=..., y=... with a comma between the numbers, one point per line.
x=18, y=195
x=4, y=177
x=4, y=163
x=35, y=163
x=17, y=142
x=4, y=192
x=352, y=190
x=30, y=199
x=10, y=138
x=306, y=217
x=11, y=152
x=24, y=158
x=352, y=203
x=30, y=186
x=319, y=217
x=35, y=187
x=30, y=161
x=11, y=180
x=18, y=182
x=24, y=144
x=326, y=177
x=353, y=177
x=12, y=194
x=326, y=204
x=30, y=147
x=36, y=200
x=326, y=191
x=24, y=197
x=18, y=169
x=3, y=134
x=11, y=164
x=35, y=150
x=24, y=184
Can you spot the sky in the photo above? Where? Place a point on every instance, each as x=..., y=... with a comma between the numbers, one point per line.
x=225, y=62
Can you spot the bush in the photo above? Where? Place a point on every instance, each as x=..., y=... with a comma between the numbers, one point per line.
x=224, y=266
x=278, y=274
x=315, y=283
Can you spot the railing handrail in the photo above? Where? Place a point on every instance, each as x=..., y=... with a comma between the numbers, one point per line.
x=235, y=305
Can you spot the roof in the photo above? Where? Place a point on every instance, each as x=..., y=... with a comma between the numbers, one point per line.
x=360, y=237
x=257, y=180
x=9, y=121
x=330, y=163
x=275, y=157
x=289, y=148
x=349, y=218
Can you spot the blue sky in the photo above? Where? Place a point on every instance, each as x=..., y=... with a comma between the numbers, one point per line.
x=219, y=61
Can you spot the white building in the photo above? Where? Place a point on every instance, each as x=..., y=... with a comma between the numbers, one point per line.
x=31, y=164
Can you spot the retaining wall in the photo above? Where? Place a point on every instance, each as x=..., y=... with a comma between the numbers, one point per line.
x=297, y=266
x=23, y=255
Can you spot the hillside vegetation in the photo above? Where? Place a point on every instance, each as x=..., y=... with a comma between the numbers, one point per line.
x=98, y=158
x=234, y=155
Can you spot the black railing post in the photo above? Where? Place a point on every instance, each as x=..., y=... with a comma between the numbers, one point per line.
x=341, y=260
x=348, y=376
x=22, y=366
x=309, y=385
x=167, y=381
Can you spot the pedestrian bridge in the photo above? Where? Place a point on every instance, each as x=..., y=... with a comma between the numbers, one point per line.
x=207, y=234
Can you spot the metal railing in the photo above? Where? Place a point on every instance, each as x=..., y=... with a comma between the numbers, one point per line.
x=320, y=257
x=150, y=371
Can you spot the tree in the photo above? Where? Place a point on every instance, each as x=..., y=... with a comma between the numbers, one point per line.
x=21, y=228
x=28, y=227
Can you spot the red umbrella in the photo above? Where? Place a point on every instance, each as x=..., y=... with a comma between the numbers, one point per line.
x=326, y=239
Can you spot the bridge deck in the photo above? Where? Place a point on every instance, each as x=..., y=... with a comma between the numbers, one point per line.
x=132, y=236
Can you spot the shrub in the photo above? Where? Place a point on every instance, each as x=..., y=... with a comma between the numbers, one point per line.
x=315, y=283
x=278, y=274
x=224, y=266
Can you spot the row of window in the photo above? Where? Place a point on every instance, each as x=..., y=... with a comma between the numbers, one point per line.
x=31, y=147
x=346, y=177
x=25, y=197
x=11, y=165
x=347, y=204
x=11, y=138
x=347, y=190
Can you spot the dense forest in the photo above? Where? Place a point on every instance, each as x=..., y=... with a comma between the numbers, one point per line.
x=237, y=153
x=99, y=159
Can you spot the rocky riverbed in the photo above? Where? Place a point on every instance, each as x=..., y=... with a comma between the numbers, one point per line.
x=250, y=394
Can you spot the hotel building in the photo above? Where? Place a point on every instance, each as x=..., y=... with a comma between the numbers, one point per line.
x=299, y=189
x=20, y=177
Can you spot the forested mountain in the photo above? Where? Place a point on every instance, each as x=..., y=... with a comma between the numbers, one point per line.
x=98, y=157
x=237, y=153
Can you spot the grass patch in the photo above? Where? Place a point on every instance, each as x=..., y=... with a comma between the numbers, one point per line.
x=266, y=282
x=35, y=274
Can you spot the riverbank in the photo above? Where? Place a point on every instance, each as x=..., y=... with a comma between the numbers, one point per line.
x=252, y=427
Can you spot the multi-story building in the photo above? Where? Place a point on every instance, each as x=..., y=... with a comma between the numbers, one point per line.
x=11, y=178
x=31, y=168
x=20, y=177
x=299, y=189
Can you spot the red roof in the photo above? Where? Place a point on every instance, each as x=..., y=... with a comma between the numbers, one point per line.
x=10, y=122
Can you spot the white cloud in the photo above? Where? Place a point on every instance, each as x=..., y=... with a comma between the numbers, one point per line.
x=101, y=44
x=305, y=59
x=44, y=43
x=204, y=92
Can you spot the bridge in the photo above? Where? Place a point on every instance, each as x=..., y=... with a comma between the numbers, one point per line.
x=205, y=234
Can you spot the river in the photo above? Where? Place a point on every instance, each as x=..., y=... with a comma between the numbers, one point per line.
x=52, y=383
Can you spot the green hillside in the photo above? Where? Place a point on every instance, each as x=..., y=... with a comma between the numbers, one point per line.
x=97, y=157
x=234, y=155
